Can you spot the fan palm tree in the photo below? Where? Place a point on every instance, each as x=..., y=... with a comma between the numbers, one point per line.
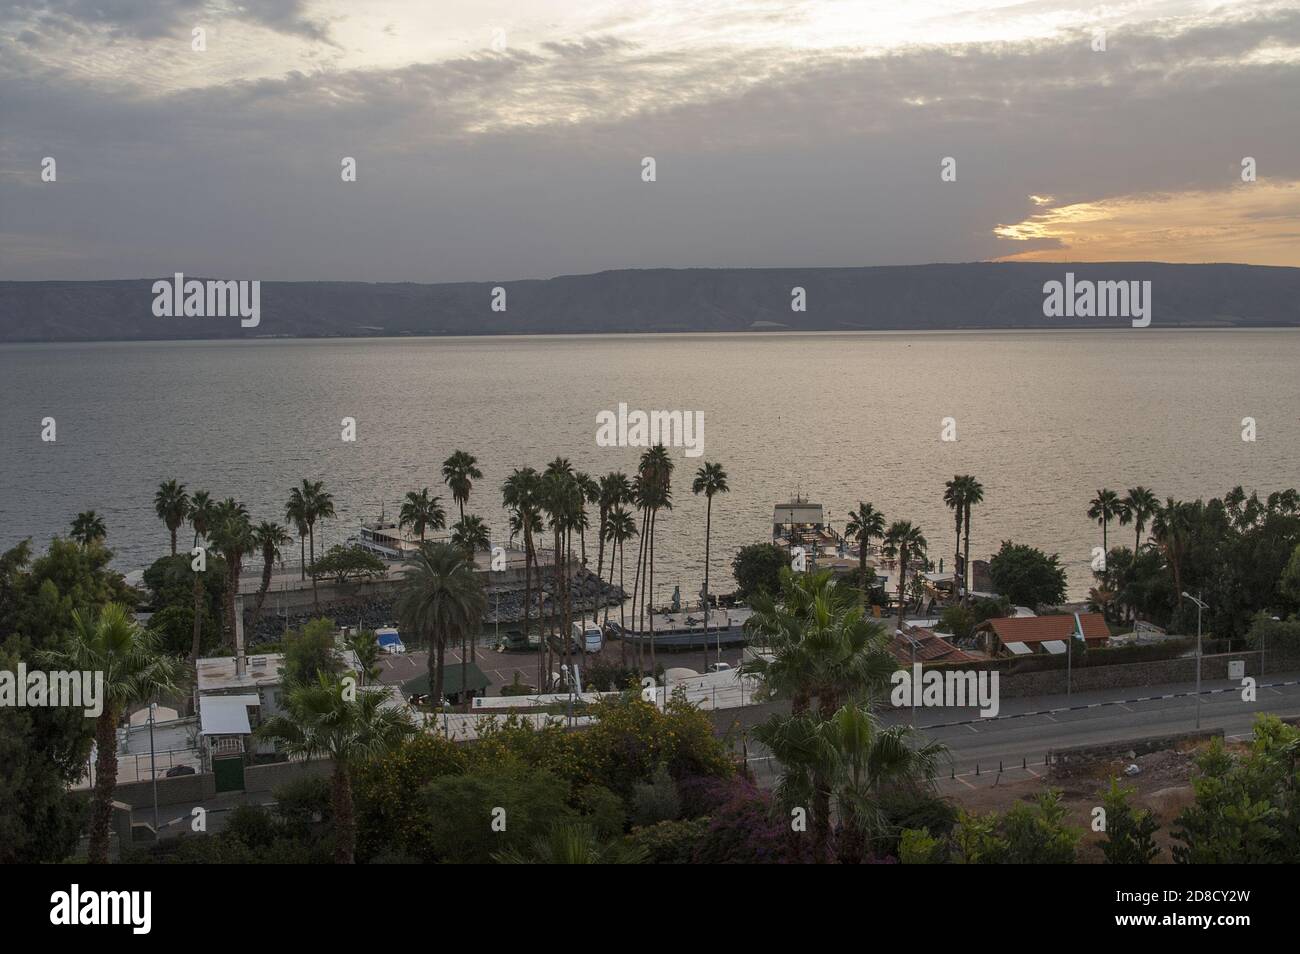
x=906, y=543
x=1104, y=508
x=268, y=537
x=865, y=524
x=615, y=490
x=589, y=489
x=471, y=534
x=560, y=497
x=1138, y=506
x=134, y=670
x=172, y=505
x=954, y=497
x=87, y=527
x=295, y=511
x=653, y=490
x=319, y=506
x=1172, y=530
x=459, y=471
x=441, y=598
x=619, y=528
x=421, y=512
x=200, y=515
x=347, y=727
x=232, y=534
x=519, y=495
x=573, y=843
x=710, y=480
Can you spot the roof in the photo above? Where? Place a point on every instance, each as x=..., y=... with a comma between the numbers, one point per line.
x=1038, y=629
x=453, y=680
x=929, y=647
x=225, y=715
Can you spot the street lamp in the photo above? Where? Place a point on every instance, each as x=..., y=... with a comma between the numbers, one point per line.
x=1199, y=606
x=911, y=674
x=153, y=768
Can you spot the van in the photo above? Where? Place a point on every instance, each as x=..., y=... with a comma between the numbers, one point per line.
x=587, y=637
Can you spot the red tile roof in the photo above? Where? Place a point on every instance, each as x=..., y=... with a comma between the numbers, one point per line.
x=930, y=648
x=1037, y=629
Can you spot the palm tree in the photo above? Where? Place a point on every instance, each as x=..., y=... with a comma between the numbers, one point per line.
x=1103, y=508
x=441, y=598
x=232, y=534
x=134, y=670
x=319, y=505
x=459, y=471
x=560, y=498
x=653, y=489
x=200, y=516
x=470, y=533
x=974, y=494
x=865, y=524
x=954, y=496
x=172, y=505
x=268, y=537
x=906, y=543
x=295, y=511
x=573, y=843
x=421, y=512
x=615, y=490
x=1172, y=529
x=619, y=528
x=87, y=527
x=710, y=479
x=1139, y=506
x=325, y=720
x=589, y=491
x=519, y=495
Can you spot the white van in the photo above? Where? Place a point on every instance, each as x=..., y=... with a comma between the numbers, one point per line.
x=588, y=637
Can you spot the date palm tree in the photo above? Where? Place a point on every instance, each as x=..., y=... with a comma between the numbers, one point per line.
x=615, y=490
x=232, y=534
x=333, y=719
x=1104, y=508
x=269, y=537
x=619, y=528
x=710, y=480
x=201, y=513
x=865, y=524
x=1172, y=530
x=440, y=599
x=906, y=543
x=589, y=491
x=295, y=511
x=973, y=494
x=421, y=512
x=172, y=505
x=1139, y=506
x=88, y=527
x=519, y=496
x=459, y=471
x=134, y=670
x=319, y=506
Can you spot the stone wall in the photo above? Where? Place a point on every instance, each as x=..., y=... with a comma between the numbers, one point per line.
x=1080, y=758
x=269, y=777
x=183, y=789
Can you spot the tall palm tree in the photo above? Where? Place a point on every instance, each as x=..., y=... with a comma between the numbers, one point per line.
x=560, y=498
x=268, y=537
x=653, y=486
x=974, y=494
x=1172, y=529
x=200, y=515
x=954, y=496
x=1139, y=506
x=519, y=495
x=865, y=524
x=319, y=507
x=615, y=490
x=172, y=505
x=471, y=534
x=87, y=527
x=459, y=471
x=710, y=479
x=323, y=719
x=135, y=670
x=295, y=511
x=421, y=512
x=906, y=543
x=1104, y=508
x=441, y=598
x=619, y=528
x=232, y=534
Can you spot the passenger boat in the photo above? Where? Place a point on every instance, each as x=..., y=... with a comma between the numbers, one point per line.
x=684, y=629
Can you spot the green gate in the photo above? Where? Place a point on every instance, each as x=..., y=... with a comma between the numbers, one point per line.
x=229, y=773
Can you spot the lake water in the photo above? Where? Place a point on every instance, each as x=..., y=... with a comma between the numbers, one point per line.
x=1043, y=420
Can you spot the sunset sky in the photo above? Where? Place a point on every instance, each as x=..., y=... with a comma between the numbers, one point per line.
x=501, y=140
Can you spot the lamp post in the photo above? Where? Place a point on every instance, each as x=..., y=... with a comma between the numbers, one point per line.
x=153, y=768
x=1199, y=606
x=911, y=674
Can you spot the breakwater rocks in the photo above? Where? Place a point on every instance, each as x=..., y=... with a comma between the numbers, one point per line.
x=505, y=604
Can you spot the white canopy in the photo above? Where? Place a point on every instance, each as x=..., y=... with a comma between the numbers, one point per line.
x=1054, y=646
x=226, y=715
x=1018, y=649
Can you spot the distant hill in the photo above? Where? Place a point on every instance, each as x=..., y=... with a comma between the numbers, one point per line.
x=919, y=297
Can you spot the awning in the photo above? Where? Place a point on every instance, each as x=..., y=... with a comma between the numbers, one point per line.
x=1054, y=646
x=225, y=715
x=1018, y=649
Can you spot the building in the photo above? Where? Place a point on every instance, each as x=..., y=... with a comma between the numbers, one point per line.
x=1011, y=636
x=918, y=644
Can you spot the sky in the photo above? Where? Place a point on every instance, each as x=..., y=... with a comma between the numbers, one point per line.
x=503, y=141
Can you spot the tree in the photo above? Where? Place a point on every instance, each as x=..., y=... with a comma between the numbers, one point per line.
x=349, y=564
x=1288, y=583
x=471, y=534
x=1129, y=834
x=619, y=528
x=348, y=728
x=295, y=511
x=421, y=512
x=519, y=495
x=232, y=534
x=1027, y=576
x=710, y=480
x=441, y=598
x=1138, y=507
x=88, y=527
x=459, y=471
x=614, y=491
x=974, y=494
x=954, y=497
x=268, y=537
x=172, y=505
x=652, y=489
x=309, y=653
x=865, y=524
x=757, y=568
x=112, y=643
x=905, y=543
x=574, y=843
x=365, y=647
x=318, y=505
x=1172, y=529
x=1028, y=834
x=1104, y=508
